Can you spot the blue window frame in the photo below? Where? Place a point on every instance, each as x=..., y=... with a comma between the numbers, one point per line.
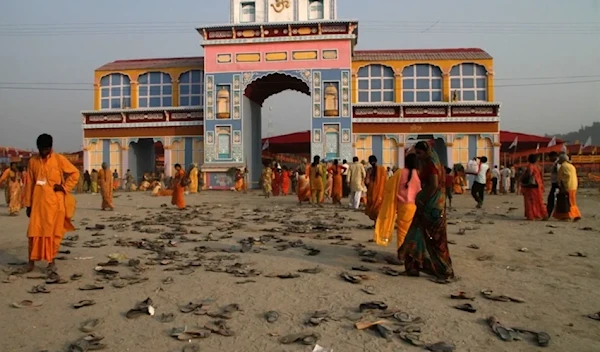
x=469, y=82
x=375, y=84
x=115, y=91
x=155, y=89
x=421, y=83
x=191, y=88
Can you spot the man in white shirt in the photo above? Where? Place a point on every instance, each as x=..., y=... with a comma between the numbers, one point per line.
x=495, y=178
x=356, y=182
x=478, y=189
x=504, y=180
x=345, y=187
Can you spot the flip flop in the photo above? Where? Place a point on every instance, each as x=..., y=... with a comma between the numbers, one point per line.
x=373, y=305
x=354, y=279
x=501, y=298
x=391, y=272
x=84, y=303
x=190, y=307
x=368, y=260
x=219, y=327
x=90, y=325
x=361, y=268
x=467, y=307
x=91, y=288
x=462, y=295
x=168, y=280
x=595, y=316
x=412, y=338
x=26, y=304
x=541, y=338
x=38, y=289
x=119, y=283
x=271, y=316
x=54, y=278
x=307, y=338
x=384, y=330
x=76, y=276
x=166, y=317
x=441, y=347
x=506, y=334
x=314, y=270
x=370, y=290
x=578, y=254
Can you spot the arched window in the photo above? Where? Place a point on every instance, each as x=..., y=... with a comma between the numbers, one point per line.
x=421, y=83
x=375, y=84
x=485, y=147
x=191, y=87
x=155, y=90
x=469, y=81
x=115, y=92
x=315, y=10
x=460, y=151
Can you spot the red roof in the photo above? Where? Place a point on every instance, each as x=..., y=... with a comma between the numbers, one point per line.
x=422, y=54
x=153, y=63
x=509, y=137
x=290, y=138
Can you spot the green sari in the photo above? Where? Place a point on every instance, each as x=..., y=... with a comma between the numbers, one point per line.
x=425, y=248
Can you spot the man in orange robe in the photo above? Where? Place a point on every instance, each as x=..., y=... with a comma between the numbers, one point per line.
x=105, y=181
x=375, y=187
x=178, y=188
x=51, y=176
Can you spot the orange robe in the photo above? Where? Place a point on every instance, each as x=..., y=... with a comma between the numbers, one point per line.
x=303, y=189
x=48, y=223
x=6, y=174
x=285, y=182
x=375, y=192
x=105, y=182
x=178, y=190
x=533, y=198
x=239, y=183
x=336, y=188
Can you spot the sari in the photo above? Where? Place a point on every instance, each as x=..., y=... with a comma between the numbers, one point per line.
x=194, y=179
x=375, y=191
x=567, y=178
x=239, y=182
x=533, y=197
x=337, y=186
x=303, y=189
x=276, y=182
x=425, y=248
x=266, y=179
x=285, y=182
x=178, y=190
x=94, y=185
x=392, y=208
x=459, y=183
x=15, y=192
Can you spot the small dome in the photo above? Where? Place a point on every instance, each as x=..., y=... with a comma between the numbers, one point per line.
x=330, y=89
x=223, y=93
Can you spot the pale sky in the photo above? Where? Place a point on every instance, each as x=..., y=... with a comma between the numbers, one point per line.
x=547, y=55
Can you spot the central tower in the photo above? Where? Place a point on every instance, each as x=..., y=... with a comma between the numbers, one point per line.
x=273, y=11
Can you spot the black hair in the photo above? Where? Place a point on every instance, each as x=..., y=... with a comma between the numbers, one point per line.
x=483, y=159
x=344, y=161
x=448, y=170
x=422, y=145
x=44, y=141
x=316, y=160
x=411, y=163
x=335, y=162
x=532, y=158
x=372, y=159
x=553, y=155
x=355, y=159
x=176, y=165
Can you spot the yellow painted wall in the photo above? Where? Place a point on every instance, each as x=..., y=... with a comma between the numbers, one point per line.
x=485, y=147
x=115, y=157
x=95, y=154
x=133, y=75
x=198, y=152
x=364, y=148
x=460, y=150
x=444, y=65
x=178, y=153
x=390, y=152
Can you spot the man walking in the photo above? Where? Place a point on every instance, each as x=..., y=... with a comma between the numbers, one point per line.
x=356, y=182
x=554, y=179
x=495, y=177
x=478, y=189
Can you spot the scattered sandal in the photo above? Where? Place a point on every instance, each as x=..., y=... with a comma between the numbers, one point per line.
x=354, y=279
x=373, y=305
x=462, y=295
x=578, y=254
x=185, y=334
x=219, y=327
x=500, y=298
x=506, y=334
x=306, y=338
x=90, y=325
x=91, y=288
x=541, y=338
x=39, y=289
x=166, y=317
x=84, y=303
x=391, y=272
x=271, y=316
x=370, y=290
x=467, y=307
x=314, y=270
x=142, y=308
x=26, y=304
x=595, y=316
x=440, y=347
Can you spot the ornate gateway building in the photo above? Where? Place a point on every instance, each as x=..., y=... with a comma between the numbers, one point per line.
x=207, y=110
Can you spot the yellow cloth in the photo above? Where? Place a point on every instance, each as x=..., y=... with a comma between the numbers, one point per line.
x=194, y=180
x=567, y=176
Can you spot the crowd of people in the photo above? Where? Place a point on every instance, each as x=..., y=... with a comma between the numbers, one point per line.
x=414, y=199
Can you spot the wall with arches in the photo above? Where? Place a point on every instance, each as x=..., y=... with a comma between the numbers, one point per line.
x=148, y=88
x=414, y=81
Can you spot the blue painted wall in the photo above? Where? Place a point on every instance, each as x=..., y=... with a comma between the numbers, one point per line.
x=106, y=151
x=472, y=146
x=189, y=149
x=142, y=158
x=377, y=147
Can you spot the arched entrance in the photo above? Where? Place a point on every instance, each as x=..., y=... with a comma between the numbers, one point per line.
x=255, y=95
x=438, y=144
x=145, y=155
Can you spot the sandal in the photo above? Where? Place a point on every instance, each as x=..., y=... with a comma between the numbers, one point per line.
x=354, y=279
x=314, y=270
x=462, y=295
x=370, y=290
x=90, y=325
x=91, y=288
x=578, y=254
x=467, y=307
x=506, y=334
x=190, y=307
x=541, y=338
x=26, y=304
x=391, y=272
x=271, y=316
x=595, y=316
x=166, y=317
x=372, y=305
x=84, y=303
x=412, y=338
x=39, y=289
x=440, y=347
x=219, y=327
x=500, y=298
x=307, y=338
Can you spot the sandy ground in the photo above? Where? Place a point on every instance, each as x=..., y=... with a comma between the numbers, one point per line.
x=559, y=290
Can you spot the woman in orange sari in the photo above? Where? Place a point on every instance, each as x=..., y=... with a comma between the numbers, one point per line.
x=375, y=188
x=178, y=188
x=532, y=187
x=303, y=187
x=285, y=181
x=239, y=181
x=459, y=182
x=337, y=182
x=276, y=183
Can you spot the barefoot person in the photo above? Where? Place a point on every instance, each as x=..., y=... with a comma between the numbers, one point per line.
x=567, y=188
x=532, y=185
x=375, y=186
x=425, y=248
x=51, y=176
x=303, y=187
x=11, y=178
x=105, y=182
x=316, y=181
x=179, y=185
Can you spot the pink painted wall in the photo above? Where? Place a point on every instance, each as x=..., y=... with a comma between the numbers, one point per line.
x=344, y=59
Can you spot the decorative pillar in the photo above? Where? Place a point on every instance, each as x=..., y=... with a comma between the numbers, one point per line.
x=496, y=160
x=490, y=86
x=446, y=91
x=175, y=93
x=401, y=155
x=354, y=87
x=124, y=160
x=133, y=104
x=450, y=154
x=168, y=168
x=86, y=158
x=398, y=85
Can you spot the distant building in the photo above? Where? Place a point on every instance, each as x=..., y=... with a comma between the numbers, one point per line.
x=207, y=110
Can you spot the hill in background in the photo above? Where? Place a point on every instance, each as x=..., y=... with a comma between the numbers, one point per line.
x=582, y=134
